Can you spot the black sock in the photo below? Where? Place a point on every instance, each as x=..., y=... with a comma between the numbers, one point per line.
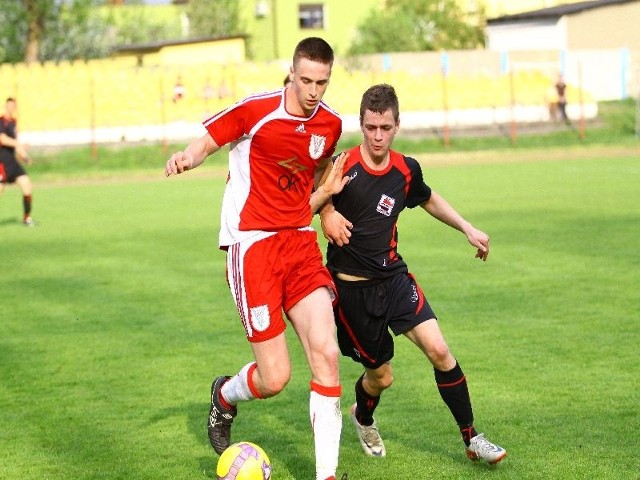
x=365, y=404
x=452, y=386
x=26, y=205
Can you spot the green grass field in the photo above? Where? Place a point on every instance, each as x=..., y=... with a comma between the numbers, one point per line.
x=115, y=317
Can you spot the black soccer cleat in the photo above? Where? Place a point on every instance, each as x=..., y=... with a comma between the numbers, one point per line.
x=220, y=419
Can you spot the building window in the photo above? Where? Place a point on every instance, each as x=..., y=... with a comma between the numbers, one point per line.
x=311, y=15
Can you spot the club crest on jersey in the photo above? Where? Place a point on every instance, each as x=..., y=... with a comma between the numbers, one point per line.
x=385, y=205
x=316, y=146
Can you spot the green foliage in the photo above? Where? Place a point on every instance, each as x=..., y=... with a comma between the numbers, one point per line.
x=135, y=24
x=214, y=19
x=51, y=30
x=406, y=26
x=620, y=115
x=78, y=29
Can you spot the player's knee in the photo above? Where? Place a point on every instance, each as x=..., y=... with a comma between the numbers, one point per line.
x=385, y=381
x=439, y=353
x=273, y=386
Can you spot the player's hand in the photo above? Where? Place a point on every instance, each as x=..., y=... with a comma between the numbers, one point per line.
x=335, y=228
x=178, y=163
x=335, y=182
x=480, y=240
x=22, y=155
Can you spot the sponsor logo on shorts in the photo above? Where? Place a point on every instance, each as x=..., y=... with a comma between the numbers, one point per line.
x=414, y=295
x=260, y=318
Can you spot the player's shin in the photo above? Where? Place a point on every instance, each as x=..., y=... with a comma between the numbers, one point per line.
x=326, y=422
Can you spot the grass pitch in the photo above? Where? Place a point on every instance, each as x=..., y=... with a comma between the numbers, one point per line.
x=115, y=317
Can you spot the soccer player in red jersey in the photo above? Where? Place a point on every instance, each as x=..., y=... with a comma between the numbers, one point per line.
x=280, y=146
x=376, y=292
x=12, y=152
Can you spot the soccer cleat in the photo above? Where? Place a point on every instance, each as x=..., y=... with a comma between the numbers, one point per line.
x=369, y=436
x=29, y=222
x=220, y=419
x=482, y=449
x=343, y=477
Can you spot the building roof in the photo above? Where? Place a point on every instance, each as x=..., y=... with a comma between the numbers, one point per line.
x=153, y=47
x=557, y=12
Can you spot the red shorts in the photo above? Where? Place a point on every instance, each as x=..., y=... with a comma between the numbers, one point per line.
x=272, y=274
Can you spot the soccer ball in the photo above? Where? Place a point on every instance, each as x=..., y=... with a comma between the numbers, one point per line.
x=243, y=461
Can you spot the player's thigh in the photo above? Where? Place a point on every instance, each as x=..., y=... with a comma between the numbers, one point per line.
x=312, y=319
x=428, y=337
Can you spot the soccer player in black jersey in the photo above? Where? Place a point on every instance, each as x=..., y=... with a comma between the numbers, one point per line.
x=376, y=292
x=12, y=152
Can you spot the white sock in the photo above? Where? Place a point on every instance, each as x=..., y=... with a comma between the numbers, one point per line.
x=326, y=422
x=237, y=388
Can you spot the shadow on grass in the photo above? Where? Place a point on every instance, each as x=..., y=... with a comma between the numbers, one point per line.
x=253, y=424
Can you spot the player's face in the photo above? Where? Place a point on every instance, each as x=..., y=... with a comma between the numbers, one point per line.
x=11, y=107
x=310, y=81
x=379, y=131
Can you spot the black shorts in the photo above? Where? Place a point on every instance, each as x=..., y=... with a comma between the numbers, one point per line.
x=368, y=309
x=10, y=170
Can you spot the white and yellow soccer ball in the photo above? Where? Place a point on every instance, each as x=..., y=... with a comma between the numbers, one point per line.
x=243, y=461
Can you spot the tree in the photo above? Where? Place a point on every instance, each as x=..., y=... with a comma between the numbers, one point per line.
x=40, y=30
x=214, y=19
x=408, y=26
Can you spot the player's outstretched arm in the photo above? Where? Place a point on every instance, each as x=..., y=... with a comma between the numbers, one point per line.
x=439, y=208
x=192, y=156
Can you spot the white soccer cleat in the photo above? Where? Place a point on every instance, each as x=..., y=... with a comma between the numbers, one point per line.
x=370, y=438
x=482, y=449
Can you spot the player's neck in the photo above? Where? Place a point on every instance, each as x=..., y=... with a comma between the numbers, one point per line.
x=292, y=106
x=374, y=162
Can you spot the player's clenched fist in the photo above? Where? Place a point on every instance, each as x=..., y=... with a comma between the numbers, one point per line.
x=178, y=163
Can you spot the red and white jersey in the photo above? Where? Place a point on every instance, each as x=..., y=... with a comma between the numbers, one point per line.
x=272, y=161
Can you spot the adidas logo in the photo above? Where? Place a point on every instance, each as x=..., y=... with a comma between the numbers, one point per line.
x=300, y=128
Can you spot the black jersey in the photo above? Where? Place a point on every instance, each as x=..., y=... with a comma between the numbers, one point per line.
x=372, y=201
x=8, y=127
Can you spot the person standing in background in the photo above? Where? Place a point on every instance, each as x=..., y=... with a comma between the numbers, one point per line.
x=12, y=154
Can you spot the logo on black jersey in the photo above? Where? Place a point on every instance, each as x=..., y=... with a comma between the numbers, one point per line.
x=385, y=205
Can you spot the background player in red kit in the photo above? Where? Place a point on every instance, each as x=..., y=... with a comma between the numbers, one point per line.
x=280, y=143
x=376, y=292
x=12, y=152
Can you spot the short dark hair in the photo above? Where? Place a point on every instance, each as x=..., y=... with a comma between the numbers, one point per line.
x=10, y=99
x=287, y=80
x=380, y=98
x=315, y=49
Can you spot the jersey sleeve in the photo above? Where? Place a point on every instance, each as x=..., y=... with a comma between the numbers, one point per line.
x=419, y=192
x=228, y=125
